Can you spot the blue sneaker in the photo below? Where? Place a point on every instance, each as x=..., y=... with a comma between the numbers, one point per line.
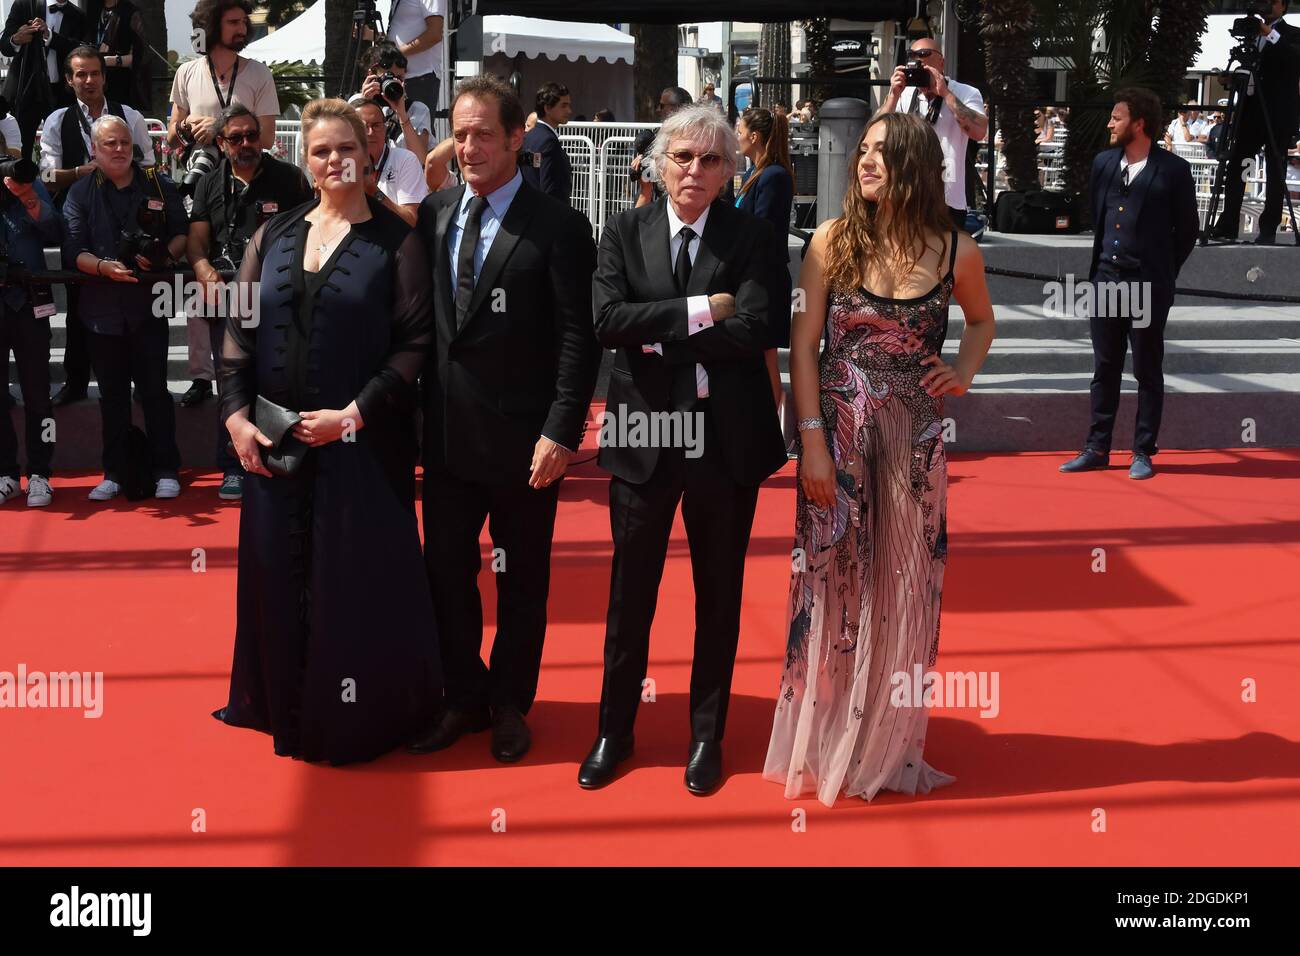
x=1141, y=467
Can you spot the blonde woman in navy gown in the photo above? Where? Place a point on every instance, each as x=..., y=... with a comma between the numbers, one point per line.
x=871, y=521
x=333, y=655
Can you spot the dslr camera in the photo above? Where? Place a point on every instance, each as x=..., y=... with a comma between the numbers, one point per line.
x=198, y=162
x=142, y=240
x=232, y=250
x=914, y=74
x=391, y=87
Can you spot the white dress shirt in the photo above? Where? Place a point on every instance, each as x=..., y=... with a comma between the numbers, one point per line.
x=52, y=135
x=698, y=314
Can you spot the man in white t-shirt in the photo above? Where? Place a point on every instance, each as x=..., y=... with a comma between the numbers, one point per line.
x=400, y=175
x=1187, y=127
x=415, y=26
x=205, y=86
x=954, y=109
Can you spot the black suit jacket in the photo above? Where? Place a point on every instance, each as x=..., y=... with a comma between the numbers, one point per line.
x=73, y=32
x=635, y=302
x=1168, y=222
x=1279, y=80
x=524, y=362
x=553, y=175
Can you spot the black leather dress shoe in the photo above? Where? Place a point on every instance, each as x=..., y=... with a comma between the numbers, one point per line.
x=704, y=767
x=1087, y=460
x=510, y=736
x=199, y=392
x=606, y=754
x=67, y=394
x=451, y=725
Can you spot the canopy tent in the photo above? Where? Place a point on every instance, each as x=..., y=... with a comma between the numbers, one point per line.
x=303, y=38
x=546, y=38
x=695, y=11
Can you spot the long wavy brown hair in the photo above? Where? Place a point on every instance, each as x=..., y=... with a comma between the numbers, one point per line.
x=885, y=232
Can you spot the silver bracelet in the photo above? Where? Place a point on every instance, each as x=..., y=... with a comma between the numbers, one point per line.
x=807, y=424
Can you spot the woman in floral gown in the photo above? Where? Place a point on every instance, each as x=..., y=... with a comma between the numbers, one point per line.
x=871, y=532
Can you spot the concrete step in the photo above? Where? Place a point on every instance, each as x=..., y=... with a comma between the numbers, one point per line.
x=1188, y=319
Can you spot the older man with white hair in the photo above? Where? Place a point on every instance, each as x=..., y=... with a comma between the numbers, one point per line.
x=683, y=290
x=121, y=220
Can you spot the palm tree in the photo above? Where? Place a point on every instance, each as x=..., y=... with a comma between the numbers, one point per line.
x=818, y=54
x=655, y=53
x=1007, y=27
x=773, y=61
x=1105, y=45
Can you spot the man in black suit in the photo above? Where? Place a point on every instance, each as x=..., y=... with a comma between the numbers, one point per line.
x=39, y=38
x=683, y=290
x=1276, y=88
x=1145, y=225
x=546, y=166
x=505, y=407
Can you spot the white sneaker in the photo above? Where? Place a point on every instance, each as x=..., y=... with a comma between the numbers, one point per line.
x=8, y=488
x=167, y=488
x=105, y=490
x=38, y=492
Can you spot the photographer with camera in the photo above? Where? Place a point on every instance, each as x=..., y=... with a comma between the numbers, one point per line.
x=205, y=86
x=395, y=176
x=1274, y=89
x=65, y=158
x=246, y=189
x=409, y=120
x=28, y=223
x=38, y=36
x=415, y=27
x=642, y=171
x=122, y=219
x=955, y=110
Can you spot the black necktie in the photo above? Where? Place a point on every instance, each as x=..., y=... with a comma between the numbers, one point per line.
x=465, y=259
x=1126, y=177
x=682, y=388
x=682, y=269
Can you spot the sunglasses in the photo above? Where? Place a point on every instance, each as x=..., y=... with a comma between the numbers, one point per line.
x=922, y=54
x=684, y=158
x=239, y=139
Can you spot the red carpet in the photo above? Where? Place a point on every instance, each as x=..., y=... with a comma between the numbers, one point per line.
x=1120, y=692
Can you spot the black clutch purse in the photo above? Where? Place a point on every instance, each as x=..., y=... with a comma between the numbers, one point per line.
x=276, y=422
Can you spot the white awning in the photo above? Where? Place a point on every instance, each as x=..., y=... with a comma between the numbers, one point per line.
x=301, y=39
x=554, y=39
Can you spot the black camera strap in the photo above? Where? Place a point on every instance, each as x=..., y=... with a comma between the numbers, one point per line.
x=240, y=201
x=383, y=158
x=230, y=90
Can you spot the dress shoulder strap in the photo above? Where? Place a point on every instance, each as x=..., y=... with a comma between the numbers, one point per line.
x=952, y=255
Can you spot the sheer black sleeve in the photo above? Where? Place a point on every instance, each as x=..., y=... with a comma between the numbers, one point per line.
x=238, y=376
x=392, y=390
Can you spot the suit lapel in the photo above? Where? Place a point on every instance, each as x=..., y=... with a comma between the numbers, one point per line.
x=717, y=236
x=655, y=245
x=508, y=234
x=445, y=303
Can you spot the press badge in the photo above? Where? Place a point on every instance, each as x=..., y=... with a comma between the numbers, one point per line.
x=155, y=205
x=42, y=297
x=270, y=207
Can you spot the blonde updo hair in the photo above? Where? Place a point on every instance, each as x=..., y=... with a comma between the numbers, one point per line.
x=318, y=111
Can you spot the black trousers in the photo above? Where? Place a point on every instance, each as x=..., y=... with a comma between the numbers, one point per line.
x=718, y=514
x=521, y=522
x=76, y=354
x=140, y=355
x=1252, y=136
x=226, y=460
x=29, y=122
x=29, y=339
x=1111, y=337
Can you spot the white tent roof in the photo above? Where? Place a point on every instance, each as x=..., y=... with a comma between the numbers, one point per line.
x=303, y=38
x=554, y=39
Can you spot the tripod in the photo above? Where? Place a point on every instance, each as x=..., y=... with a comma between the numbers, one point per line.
x=364, y=15
x=1246, y=75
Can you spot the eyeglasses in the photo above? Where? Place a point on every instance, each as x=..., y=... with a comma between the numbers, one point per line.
x=239, y=139
x=684, y=158
x=922, y=54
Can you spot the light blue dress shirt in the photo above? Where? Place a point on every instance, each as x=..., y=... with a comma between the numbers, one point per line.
x=498, y=203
